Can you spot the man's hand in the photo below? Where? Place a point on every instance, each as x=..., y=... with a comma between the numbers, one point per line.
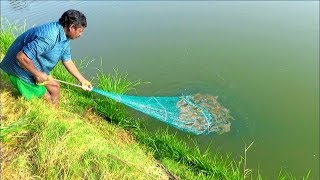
x=86, y=85
x=72, y=69
x=41, y=78
x=27, y=64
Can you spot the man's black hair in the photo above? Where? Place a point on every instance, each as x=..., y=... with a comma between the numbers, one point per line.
x=73, y=17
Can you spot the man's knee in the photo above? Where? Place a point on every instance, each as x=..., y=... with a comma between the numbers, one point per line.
x=53, y=87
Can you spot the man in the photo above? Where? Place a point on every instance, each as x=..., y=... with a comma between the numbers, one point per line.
x=37, y=51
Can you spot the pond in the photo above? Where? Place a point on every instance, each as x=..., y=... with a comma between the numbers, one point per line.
x=260, y=58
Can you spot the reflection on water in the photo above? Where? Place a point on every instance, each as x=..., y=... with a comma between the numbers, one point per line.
x=36, y=12
x=19, y=5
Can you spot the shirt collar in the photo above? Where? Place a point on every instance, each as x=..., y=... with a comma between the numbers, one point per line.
x=62, y=34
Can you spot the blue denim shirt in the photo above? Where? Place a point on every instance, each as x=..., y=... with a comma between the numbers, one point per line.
x=44, y=45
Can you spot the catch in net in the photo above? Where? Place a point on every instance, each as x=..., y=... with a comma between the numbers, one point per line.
x=197, y=114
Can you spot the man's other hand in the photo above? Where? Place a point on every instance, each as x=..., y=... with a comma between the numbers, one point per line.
x=86, y=85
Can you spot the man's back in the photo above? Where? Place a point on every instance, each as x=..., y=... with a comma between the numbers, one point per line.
x=44, y=45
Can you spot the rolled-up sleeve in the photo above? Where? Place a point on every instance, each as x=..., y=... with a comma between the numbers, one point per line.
x=38, y=46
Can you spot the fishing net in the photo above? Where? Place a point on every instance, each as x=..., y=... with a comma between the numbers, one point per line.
x=197, y=114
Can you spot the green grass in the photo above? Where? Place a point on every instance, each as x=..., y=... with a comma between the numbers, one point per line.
x=40, y=142
x=105, y=107
x=177, y=154
x=162, y=145
x=8, y=32
x=92, y=137
x=179, y=159
x=57, y=144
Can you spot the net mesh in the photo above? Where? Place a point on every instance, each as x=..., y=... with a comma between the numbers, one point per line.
x=197, y=114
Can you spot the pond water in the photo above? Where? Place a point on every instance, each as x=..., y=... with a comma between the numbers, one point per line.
x=260, y=58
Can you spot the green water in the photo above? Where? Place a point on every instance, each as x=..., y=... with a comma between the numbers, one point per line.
x=260, y=58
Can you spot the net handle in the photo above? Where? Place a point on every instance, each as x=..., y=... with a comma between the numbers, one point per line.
x=76, y=85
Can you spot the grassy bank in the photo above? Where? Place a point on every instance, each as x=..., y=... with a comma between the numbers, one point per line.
x=41, y=142
x=174, y=155
x=92, y=137
x=85, y=140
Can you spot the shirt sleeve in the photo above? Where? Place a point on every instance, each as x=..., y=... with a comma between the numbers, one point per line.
x=66, y=55
x=38, y=46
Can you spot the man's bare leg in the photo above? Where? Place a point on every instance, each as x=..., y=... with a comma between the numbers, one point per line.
x=53, y=92
x=47, y=97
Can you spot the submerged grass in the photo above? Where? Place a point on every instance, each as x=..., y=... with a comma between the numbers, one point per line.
x=77, y=142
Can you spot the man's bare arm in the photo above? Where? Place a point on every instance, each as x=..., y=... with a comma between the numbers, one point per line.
x=28, y=65
x=72, y=69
